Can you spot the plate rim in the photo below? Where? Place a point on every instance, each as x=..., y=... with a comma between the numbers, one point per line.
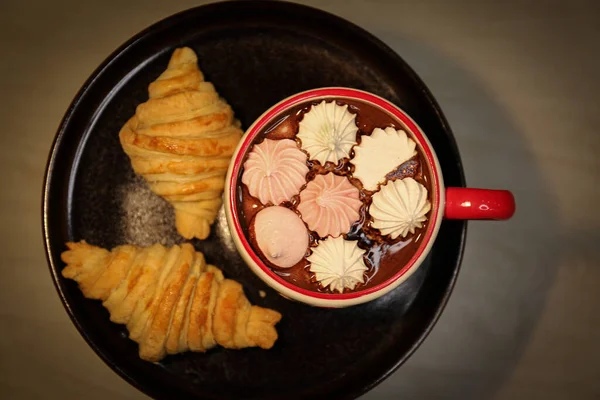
x=164, y=23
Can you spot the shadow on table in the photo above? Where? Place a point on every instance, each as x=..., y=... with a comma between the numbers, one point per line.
x=509, y=267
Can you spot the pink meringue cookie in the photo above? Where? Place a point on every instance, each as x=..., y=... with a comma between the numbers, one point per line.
x=275, y=171
x=281, y=236
x=329, y=205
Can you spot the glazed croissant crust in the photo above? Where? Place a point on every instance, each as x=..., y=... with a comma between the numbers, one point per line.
x=181, y=141
x=169, y=298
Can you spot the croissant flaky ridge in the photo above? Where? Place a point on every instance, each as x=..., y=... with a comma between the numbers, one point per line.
x=170, y=299
x=181, y=141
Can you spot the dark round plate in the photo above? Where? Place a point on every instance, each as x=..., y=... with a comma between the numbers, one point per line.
x=256, y=53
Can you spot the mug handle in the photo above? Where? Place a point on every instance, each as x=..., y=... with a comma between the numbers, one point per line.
x=467, y=203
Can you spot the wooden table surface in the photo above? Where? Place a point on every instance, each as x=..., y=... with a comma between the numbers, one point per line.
x=519, y=83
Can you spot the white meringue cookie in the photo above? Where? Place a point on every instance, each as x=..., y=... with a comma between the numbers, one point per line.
x=338, y=263
x=400, y=207
x=379, y=154
x=328, y=132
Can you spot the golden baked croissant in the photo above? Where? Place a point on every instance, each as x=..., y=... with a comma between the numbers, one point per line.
x=169, y=298
x=181, y=141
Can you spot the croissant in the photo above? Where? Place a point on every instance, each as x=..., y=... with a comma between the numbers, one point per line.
x=169, y=298
x=181, y=141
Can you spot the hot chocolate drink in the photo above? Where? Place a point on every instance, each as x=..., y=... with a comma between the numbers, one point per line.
x=334, y=195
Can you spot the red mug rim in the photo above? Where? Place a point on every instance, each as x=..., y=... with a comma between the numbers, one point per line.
x=352, y=94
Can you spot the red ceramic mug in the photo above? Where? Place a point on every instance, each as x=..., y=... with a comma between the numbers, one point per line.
x=446, y=202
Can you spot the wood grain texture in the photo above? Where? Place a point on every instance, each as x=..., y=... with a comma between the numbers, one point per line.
x=518, y=83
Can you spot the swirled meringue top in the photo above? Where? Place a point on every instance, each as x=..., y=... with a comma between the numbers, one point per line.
x=329, y=205
x=400, y=207
x=275, y=171
x=328, y=132
x=338, y=263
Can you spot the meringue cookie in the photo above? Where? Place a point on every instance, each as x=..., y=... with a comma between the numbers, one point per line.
x=329, y=205
x=281, y=236
x=400, y=207
x=338, y=263
x=328, y=132
x=379, y=154
x=275, y=171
